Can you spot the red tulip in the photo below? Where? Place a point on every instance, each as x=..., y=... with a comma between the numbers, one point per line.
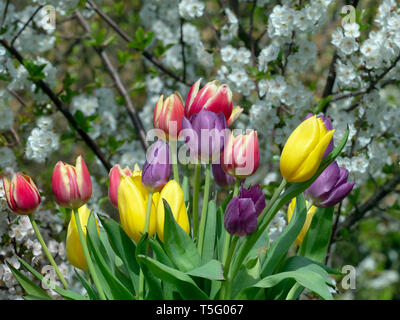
x=168, y=115
x=241, y=155
x=115, y=178
x=21, y=193
x=71, y=185
x=213, y=97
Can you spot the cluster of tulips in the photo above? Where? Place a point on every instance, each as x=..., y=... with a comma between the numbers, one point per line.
x=143, y=197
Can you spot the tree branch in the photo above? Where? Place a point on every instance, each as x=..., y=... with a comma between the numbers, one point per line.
x=26, y=24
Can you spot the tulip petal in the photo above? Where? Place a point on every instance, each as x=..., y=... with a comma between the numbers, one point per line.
x=337, y=195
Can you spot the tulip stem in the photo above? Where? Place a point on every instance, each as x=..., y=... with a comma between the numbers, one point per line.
x=275, y=196
x=203, y=217
x=174, y=158
x=196, y=192
x=146, y=230
x=46, y=251
x=89, y=261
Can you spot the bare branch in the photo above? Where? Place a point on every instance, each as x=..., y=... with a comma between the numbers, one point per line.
x=26, y=24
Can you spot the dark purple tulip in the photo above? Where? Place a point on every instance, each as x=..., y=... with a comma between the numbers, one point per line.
x=205, y=134
x=330, y=187
x=328, y=125
x=240, y=216
x=157, y=168
x=256, y=195
x=220, y=177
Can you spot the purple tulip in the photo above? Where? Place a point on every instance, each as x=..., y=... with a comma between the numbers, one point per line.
x=330, y=187
x=328, y=125
x=256, y=195
x=220, y=177
x=240, y=216
x=157, y=168
x=243, y=210
x=205, y=134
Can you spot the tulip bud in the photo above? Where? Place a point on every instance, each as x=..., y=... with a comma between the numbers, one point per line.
x=132, y=206
x=328, y=126
x=115, y=176
x=157, y=168
x=173, y=194
x=240, y=216
x=21, y=193
x=74, y=249
x=303, y=151
x=205, y=135
x=71, y=185
x=307, y=223
x=330, y=187
x=241, y=155
x=256, y=195
x=236, y=112
x=213, y=97
x=168, y=115
x=220, y=177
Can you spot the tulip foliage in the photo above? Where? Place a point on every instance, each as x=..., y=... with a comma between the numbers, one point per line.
x=161, y=248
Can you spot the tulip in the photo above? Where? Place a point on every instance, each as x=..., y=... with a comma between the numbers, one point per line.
x=220, y=177
x=71, y=185
x=157, y=168
x=213, y=97
x=168, y=115
x=132, y=206
x=330, y=187
x=303, y=151
x=241, y=155
x=256, y=195
x=236, y=112
x=328, y=126
x=240, y=216
x=205, y=134
x=115, y=176
x=173, y=194
x=21, y=193
x=74, y=248
x=307, y=223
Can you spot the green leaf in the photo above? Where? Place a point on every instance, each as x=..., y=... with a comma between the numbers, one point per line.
x=187, y=288
x=280, y=246
x=35, y=71
x=212, y=270
x=31, y=288
x=308, y=276
x=322, y=103
x=210, y=232
x=124, y=247
x=89, y=289
x=178, y=245
x=316, y=241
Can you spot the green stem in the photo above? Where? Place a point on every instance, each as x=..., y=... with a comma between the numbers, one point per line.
x=185, y=186
x=226, y=286
x=146, y=230
x=173, y=149
x=275, y=196
x=293, y=293
x=89, y=261
x=196, y=192
x=203, y=217
x=46, y=251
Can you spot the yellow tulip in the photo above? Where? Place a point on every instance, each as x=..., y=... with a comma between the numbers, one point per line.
x=75, y=253
x=132, y=206
x=303, y=151
x=173, y=194
x=307, y=223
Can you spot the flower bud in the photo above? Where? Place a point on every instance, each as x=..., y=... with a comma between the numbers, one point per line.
x=307, y=223
x=205, y=134
x=330, y=187
x=74, y=248
x=115, y=176
x=173, y=194
x=236, y=112
x=213, y=97
x=157, y=168
x=220, y=177
x=328, y=126
x=303, y=151
x=241, y=155
x=240, y=216
x=71, y=185
x=21, y=193
x=168, y=115
x=256, y=195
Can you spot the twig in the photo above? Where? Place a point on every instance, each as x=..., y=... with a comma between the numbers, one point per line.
x=4, y=14
x=149, y=56
x=26, y=24
x=62, y=108
x=253, y=55
x=183, y=50
x=119, y=84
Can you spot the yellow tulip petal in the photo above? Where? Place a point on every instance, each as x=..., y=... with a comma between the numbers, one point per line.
x=307, y=223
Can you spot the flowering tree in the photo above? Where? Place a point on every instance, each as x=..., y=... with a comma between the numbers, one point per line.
x=72, y=70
